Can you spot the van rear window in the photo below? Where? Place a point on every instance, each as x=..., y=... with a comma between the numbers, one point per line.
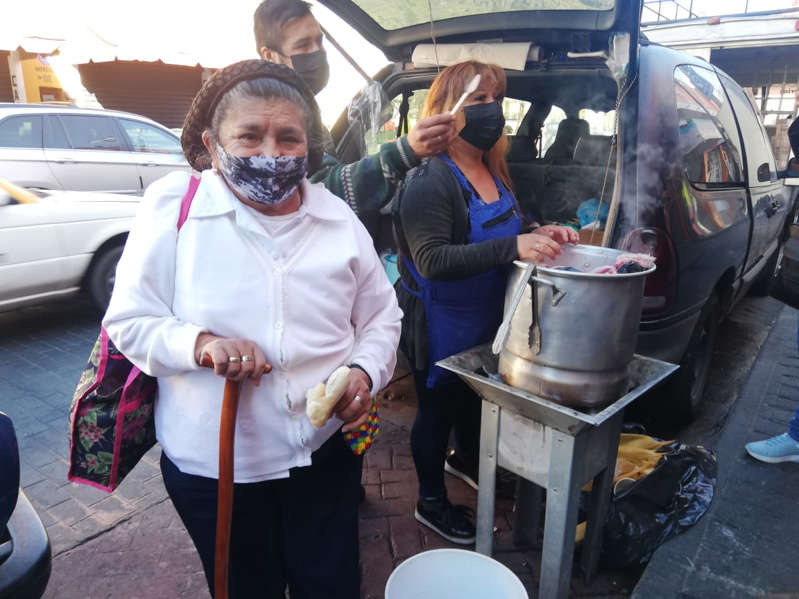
x=396, y=15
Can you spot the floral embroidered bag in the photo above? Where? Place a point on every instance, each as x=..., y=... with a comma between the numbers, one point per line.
x=111, y=421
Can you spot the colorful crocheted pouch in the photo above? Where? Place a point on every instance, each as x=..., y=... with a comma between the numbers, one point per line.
x=361, y=439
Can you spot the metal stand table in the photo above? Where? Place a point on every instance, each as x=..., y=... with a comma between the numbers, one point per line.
x=552, y=446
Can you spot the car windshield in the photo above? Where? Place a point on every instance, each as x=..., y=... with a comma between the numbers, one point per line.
x=396, y=15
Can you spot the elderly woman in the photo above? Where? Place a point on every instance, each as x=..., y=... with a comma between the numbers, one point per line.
x=459, y=227
x=267, y=269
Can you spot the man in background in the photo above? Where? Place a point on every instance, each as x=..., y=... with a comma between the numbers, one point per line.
x=286, y=32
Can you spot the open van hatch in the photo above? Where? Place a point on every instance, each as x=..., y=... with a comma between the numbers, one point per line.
x=557, y=25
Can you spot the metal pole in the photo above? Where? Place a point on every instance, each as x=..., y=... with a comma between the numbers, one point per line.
x=489, y=444
x=782, y=89
x=563, y=494
x=346, y=56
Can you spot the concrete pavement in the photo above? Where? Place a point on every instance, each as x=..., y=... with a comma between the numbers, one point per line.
x=746, y=545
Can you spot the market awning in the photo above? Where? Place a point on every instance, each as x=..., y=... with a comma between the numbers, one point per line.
x=32, y=44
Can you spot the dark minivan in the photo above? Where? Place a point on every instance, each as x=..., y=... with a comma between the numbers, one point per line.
x=668, y=144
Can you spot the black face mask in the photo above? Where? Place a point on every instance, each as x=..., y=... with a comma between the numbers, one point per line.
x=313, y=69
x=484, y=124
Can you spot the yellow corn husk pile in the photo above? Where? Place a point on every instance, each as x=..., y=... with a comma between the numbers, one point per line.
x=638, y=455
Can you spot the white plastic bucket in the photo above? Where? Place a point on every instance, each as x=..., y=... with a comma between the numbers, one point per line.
x=453, y=574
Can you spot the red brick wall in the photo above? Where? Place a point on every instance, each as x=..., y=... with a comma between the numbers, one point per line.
x=6, y=95
x=156, y=90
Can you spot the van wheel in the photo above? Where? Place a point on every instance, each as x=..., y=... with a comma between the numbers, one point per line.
x=688, y=386
x=763, y=281
x=100, y=281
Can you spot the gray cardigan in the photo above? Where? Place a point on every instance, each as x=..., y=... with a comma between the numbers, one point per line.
x=431, y=225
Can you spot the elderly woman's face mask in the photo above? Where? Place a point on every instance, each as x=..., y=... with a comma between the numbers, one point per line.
x=262, y=179
x=262, y=149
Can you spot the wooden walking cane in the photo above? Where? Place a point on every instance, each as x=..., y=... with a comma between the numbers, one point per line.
x=224, y=508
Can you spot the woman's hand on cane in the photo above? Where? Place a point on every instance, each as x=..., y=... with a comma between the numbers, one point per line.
x=235, y=359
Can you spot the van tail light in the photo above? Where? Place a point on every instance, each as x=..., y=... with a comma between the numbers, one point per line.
x=660, y=290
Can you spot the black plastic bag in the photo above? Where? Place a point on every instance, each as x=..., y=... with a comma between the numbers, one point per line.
x=673, y=497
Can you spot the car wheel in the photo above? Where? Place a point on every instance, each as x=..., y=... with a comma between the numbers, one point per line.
x=763, y=281
x=688, y=386
x=102, y=276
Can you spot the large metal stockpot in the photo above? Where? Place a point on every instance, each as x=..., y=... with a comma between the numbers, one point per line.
x=577, y=347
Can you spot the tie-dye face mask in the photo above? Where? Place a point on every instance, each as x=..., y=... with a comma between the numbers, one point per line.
x=263, y=179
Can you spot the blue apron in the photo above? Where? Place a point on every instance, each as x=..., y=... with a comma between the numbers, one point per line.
x=462, y=314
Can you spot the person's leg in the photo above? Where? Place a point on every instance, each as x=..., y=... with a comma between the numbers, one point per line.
x=255, y=568
x=429, y=438
x=319, y=504
x=194, y=498
x=464, y=461
x=793, y=427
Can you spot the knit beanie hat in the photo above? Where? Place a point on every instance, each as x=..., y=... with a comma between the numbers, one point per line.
x=205, y=102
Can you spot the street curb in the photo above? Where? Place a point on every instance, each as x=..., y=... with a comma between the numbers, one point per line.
x=739, y=548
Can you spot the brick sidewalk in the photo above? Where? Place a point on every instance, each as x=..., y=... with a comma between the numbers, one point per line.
x=131, y=544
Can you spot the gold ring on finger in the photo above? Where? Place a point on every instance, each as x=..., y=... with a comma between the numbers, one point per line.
x=234, y=359
x=247, y=358
x=537, y=247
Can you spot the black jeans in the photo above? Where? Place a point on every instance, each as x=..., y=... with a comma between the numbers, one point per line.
x=300, y=531
x=449, y=406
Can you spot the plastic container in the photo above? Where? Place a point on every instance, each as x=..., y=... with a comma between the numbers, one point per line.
x=453, y=574
x=390, y=266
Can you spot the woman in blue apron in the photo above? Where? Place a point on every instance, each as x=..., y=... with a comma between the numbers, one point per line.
x=459, y=228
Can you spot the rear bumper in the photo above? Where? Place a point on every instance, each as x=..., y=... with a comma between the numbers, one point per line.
x=24, y=574
x=667, y=339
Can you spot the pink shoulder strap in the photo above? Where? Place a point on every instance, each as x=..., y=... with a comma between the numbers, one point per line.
x=185, y=203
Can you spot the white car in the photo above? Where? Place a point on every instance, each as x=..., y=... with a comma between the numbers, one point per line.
x=84, y=149
x=54, y=244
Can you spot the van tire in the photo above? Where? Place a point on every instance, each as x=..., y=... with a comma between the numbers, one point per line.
x=688, y=385
x=764, y=279
x=101, y=277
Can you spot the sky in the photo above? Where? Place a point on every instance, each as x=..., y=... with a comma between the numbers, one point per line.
x=218, y=33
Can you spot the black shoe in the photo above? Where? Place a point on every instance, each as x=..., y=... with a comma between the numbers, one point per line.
x=458, y=467
x=453, y=522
